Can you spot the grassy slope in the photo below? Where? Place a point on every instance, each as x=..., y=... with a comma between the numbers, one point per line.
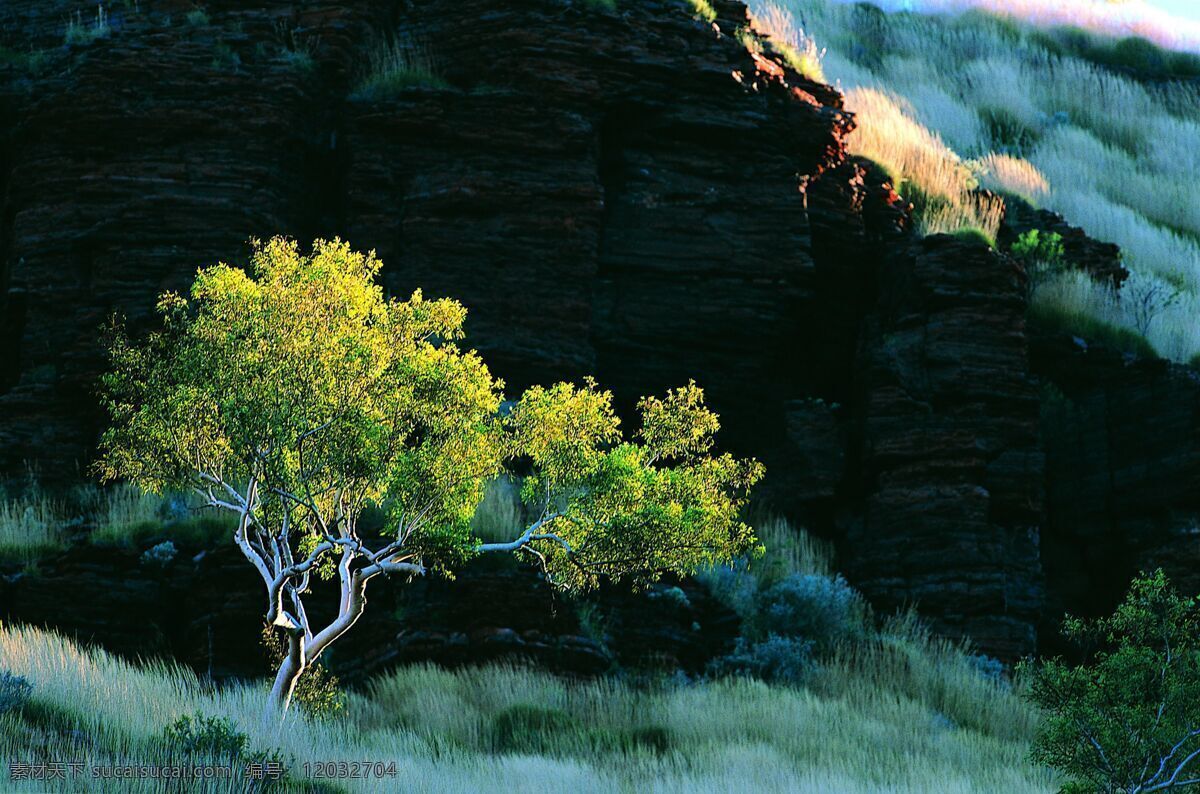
x=899, y=713
x=946, y=103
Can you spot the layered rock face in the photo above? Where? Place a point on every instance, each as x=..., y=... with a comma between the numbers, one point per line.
x=951, y=466
x=1122, y=442
x=614, y=194
x=631, y=194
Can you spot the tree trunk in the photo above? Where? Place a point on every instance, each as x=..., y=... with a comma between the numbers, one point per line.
x=290, y=669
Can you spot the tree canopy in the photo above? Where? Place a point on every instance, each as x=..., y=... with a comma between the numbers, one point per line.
x=295, y=393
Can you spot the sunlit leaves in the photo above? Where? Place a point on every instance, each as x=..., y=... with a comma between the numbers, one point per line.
x=303, y=374
x=300, y=375
x=623, y=509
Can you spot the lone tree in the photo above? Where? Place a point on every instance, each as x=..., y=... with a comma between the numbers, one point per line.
x=1129, y=719
x=297, y=394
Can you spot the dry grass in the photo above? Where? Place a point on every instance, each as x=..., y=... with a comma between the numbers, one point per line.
x=946, y=103
x=903, y=713
x=795, y=46
x=1125, y=18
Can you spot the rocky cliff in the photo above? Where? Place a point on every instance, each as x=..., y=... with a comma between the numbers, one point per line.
x=627, y=192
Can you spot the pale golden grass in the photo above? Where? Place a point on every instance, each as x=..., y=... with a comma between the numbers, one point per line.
x=790, y=40
x=917, y=158
x=789, y=550
x=1114, y=156
x=1002, y=173
x=1106, y=17
x=904, y=713
x=30, y=525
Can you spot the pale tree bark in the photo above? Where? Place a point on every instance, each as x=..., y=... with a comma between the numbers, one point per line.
x=269, y=549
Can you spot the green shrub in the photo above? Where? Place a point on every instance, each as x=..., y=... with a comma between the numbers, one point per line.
x=1037, y=246
x=777, y=660
x=1091, y=329
x=197, y=17
x=225, y=58
x=81, y=31
x=1128, y=719
x=974, y=235
x=209, y=736
x=823, y=610
x=14, y=691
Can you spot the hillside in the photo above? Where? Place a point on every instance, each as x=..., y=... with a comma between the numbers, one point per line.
x=648, y=193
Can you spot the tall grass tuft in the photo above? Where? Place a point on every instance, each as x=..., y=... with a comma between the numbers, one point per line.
x=395, y=66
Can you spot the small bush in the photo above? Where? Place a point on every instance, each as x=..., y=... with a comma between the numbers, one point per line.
x=1038, y=246
x=824, y=610
x=1005, y=130
x=197, y=17
x=209, y=736
x=159, y=556
x=974, y=235
x=1128, y=719
x=225, y=58
x=14, y=692
x=779, y=660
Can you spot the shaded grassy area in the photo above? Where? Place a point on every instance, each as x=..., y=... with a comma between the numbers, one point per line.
x=1091, y=329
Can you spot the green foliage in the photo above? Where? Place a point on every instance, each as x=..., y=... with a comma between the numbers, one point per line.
x=622, y=508
x=209, y=736
x=603, y=5
x=318, y=691
x=1036, y=246
x=975, y=235
x=702, y=9
x=775, y=659
x=14, y=691
x=824, y=610
x=396, y=66
x=197, y=17
x=300, y=377
x=302, y=373
x=1143, y=58
x=1042, y=254
x=31, y=61
x=1129, y=718
x=1091, y=329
